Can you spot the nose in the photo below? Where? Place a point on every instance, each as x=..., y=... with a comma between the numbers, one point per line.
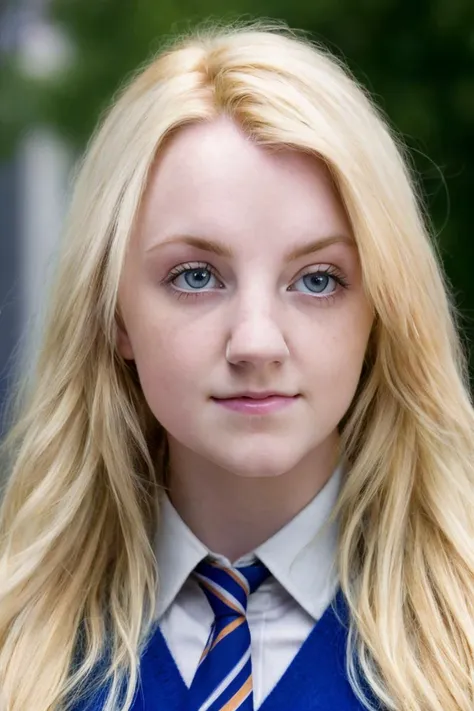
x=256, y=339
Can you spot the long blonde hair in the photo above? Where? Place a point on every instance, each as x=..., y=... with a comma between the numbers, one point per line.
x=78, y=576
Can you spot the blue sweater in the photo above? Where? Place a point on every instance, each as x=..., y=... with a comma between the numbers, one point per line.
x=314, y=681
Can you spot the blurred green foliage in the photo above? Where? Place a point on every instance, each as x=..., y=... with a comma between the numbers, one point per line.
x=415, y=56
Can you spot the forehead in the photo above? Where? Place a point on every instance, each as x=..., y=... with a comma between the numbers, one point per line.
x=212, y=179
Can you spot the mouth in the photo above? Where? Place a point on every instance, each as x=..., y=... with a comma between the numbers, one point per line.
x=246, y=404
x=256, y=395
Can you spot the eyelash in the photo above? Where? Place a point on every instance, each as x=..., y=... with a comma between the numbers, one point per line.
x=182, y=268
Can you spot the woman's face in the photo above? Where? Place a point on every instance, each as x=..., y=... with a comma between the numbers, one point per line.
x=213, y=304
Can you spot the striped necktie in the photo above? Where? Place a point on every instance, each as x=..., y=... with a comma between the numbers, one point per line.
x=223, y=679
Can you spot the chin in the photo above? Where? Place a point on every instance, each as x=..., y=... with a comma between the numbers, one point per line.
x=261, y=470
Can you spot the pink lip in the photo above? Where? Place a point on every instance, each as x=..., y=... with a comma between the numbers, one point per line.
x=251, y=406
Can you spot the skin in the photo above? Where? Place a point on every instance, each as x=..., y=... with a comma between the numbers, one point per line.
x=253, y=324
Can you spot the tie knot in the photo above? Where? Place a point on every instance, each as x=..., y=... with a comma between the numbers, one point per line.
x=226, y=588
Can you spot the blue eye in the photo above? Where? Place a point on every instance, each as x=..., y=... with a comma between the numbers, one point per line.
x=318, y=282
x=194, y=279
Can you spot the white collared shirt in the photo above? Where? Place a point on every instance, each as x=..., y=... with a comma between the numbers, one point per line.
x=281, y=612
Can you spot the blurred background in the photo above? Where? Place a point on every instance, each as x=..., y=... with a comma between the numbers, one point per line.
x=62, y=60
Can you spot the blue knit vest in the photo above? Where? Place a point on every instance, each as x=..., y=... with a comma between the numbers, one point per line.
x=315, y=680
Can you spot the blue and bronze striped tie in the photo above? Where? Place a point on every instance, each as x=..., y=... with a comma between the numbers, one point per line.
x=223, y=679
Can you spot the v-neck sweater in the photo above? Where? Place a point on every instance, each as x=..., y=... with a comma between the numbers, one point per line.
x=315, y=680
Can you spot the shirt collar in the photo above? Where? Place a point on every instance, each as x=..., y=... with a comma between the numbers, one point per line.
x=301, y=555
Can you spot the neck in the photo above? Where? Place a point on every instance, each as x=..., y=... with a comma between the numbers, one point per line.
x=231, y=514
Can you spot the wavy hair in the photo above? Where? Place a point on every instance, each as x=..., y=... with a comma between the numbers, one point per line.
x=86, y=459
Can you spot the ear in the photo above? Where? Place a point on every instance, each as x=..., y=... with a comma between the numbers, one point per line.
x=124, y=345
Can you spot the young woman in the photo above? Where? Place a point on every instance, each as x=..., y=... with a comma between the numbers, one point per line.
x=242, y=474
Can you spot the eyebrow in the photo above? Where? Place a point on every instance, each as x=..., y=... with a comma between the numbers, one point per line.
x=222, y=250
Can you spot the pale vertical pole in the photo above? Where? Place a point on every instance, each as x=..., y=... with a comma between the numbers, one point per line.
x=45, y=164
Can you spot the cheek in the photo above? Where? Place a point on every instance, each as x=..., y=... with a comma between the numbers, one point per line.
x=170, y=364
x=339, y=354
